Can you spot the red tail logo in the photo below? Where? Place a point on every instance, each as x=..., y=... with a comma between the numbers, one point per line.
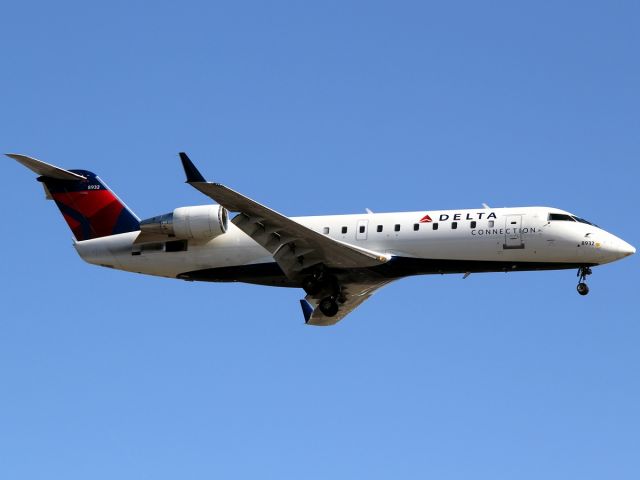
x=426, y=219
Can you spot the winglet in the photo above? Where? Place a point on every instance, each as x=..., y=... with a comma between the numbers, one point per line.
x=307, y=310
x=190, y=170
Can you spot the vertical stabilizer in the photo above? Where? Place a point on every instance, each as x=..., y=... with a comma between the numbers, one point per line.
x=89, y=207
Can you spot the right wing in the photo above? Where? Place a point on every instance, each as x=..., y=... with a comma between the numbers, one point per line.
x=354, y=295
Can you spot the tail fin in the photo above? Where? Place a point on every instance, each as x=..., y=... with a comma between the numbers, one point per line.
x=89, y=207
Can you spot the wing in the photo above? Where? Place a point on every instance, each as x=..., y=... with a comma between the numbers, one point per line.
x=354, y=294
x=294, y=247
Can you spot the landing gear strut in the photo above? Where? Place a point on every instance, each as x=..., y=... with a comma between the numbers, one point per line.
x=583, y=272
x=318, y=281
x=324, y=285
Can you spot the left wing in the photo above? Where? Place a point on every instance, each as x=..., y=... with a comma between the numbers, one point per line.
x=293, y=246
x=354, y=295
x=297, y=249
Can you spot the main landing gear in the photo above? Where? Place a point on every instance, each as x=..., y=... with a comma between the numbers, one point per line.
x=328, y=306
x=322, y=282
x=583, y=272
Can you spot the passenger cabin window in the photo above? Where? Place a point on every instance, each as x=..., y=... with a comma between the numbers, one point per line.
x=454, y=225
x=435, y=225
x=379, y=229
x=473, y=224
x=344, y=230
x=325, y=230
x=397, y=227
x=560, y=216
x=491, y=223
x=416, y=227
x=361, y=229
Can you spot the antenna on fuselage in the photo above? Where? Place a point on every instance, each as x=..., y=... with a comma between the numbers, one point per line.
x=484, y=205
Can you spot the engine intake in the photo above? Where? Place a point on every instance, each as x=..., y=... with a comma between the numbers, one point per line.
x=199, y=222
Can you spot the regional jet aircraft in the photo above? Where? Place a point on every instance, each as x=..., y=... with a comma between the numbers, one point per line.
x=339, y=260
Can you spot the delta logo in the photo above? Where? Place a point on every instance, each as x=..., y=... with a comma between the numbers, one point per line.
x=460, y=216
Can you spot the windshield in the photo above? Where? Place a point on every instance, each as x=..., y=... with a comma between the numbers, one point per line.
x=561, y=216
x=582, y=220
x=568, y=218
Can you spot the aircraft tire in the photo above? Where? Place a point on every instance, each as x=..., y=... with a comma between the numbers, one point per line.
x=311, y=285
x=583, y=288
x=328, y=306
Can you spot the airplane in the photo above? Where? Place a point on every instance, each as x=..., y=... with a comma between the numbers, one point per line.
x=338, y=260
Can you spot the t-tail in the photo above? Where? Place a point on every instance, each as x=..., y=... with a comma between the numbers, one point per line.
x=89, y=207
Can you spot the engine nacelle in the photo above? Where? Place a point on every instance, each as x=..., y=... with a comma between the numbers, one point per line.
x=200, y=222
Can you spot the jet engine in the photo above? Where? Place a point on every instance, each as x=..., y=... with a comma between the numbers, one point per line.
x=199, y=222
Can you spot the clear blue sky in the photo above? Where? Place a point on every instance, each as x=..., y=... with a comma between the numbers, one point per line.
x=320, y=107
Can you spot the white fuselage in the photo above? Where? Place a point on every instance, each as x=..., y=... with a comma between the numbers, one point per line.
x=475, y=240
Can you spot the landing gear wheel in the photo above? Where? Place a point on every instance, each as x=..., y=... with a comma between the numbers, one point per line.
x=583, y=288
x=320, y=281
x=311, y=285
x=328, y=306
x=583, y=272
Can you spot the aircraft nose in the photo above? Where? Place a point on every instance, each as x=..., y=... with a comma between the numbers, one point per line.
x=626, y=249
x=614, y=248
x=618, y=248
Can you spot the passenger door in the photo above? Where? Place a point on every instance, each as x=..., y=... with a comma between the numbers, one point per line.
x=513, y=232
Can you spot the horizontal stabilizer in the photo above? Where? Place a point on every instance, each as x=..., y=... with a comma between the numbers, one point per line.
x=45, y=169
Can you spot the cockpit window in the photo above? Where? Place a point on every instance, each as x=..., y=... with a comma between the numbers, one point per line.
x=561, y=216
x=582, y=220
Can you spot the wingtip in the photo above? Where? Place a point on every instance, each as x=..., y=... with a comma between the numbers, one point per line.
x=307, y=310
x=190, y=170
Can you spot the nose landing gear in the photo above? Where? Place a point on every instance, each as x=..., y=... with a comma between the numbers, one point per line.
x=582, y=287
